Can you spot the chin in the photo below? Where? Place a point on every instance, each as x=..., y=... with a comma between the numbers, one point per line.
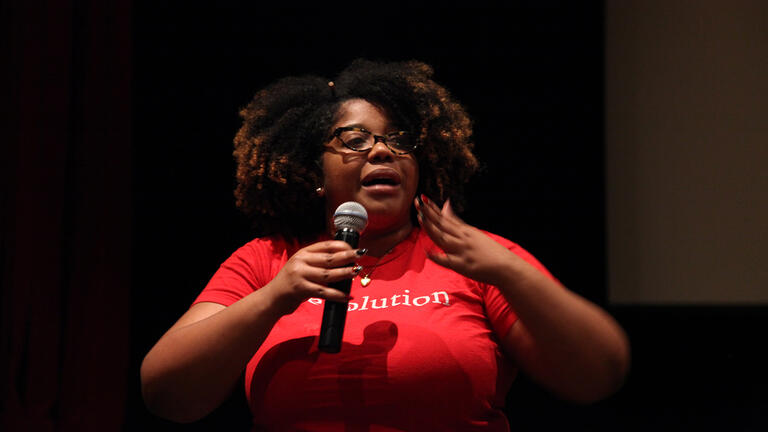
x=384, y=209
x=387, y=217
x=379, y=206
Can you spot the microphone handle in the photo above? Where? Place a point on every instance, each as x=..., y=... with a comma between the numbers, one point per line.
x=335, y=313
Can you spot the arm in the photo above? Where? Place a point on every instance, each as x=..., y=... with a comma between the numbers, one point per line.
x=566, y=343
x=193, y=367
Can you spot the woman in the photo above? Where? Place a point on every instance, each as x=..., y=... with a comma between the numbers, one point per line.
x=441, y=315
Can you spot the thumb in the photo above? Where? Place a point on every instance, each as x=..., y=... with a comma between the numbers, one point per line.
x=439, y=258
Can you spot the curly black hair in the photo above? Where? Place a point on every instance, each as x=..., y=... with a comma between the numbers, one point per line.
x=279, y=146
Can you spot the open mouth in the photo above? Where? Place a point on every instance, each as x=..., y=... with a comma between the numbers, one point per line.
x=380, y=181
x=381, y=178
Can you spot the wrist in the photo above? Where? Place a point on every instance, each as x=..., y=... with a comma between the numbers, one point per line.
x=503, y=269
x=512, y=271
x=276, y=302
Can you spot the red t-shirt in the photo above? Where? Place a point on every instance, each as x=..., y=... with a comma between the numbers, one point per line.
x=420, y=348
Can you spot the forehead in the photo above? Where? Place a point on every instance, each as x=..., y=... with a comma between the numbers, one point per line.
x=362, y=113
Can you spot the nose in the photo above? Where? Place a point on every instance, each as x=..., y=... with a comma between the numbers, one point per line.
x=380, y=152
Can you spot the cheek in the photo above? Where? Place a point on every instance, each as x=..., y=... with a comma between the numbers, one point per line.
x=330, y=169
x=338, y=177
x=333, y=181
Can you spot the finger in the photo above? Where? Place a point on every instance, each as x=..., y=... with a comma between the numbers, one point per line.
x=333, y=259
x=435, y=226
x=325, y=276
x=327, y=293
x=328, y=246
x=442, y=240
x=444, y=222
x=451, y=222
x=427, y=207
x=433, y=231
x=441, y=259
x=447, y=211
x=428, y=213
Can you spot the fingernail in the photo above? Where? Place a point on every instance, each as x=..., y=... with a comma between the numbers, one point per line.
x=362, y=251
x=357, y=269
x=418, y=198
x=423, y=198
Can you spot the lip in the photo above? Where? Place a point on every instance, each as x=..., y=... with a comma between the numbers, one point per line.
x=379, y=174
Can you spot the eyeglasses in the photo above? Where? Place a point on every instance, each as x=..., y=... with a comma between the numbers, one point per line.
x=361, y=140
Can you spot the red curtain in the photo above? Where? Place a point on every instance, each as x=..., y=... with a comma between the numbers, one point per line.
x=66, y=214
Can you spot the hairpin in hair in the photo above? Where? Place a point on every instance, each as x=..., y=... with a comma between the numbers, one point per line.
x=332, y=86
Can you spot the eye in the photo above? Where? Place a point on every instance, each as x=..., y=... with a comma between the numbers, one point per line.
x=399, y=140
x=355, y=139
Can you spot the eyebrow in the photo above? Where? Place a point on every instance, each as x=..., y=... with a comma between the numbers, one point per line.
x=361, y=126
x=356, y=125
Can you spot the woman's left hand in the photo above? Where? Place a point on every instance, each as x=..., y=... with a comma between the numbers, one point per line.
x=465, y=249
x=563, y=341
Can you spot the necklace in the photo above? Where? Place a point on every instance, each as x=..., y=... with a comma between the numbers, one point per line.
x=366, y=279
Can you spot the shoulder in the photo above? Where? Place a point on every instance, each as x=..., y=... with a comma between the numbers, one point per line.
x=248, y=268
x=269, y=246
x=259, y=258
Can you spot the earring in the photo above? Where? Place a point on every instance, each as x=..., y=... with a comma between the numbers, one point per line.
x=320, y=191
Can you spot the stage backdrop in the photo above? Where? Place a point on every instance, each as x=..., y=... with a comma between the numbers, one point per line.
x=686, y=151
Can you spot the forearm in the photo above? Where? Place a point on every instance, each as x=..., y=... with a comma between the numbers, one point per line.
x=567, y=343
x=192, y=369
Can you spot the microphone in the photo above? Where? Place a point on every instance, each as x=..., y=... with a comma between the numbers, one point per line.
x=349, y=220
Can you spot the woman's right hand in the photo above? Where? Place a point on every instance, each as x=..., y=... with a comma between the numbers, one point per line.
x=310, y=270
x=193, y=367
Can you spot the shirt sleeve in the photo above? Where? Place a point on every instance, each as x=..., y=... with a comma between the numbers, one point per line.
x=501, y=314
x=246, y=270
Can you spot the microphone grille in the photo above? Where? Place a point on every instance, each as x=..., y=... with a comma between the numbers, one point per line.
x=351, y=215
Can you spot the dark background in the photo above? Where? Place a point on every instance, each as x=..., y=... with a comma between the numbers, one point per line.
x=143, y=98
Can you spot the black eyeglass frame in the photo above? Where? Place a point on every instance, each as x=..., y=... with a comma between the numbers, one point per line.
x=376, y=138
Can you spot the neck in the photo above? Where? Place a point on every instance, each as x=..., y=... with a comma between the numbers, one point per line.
x=379, y=243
